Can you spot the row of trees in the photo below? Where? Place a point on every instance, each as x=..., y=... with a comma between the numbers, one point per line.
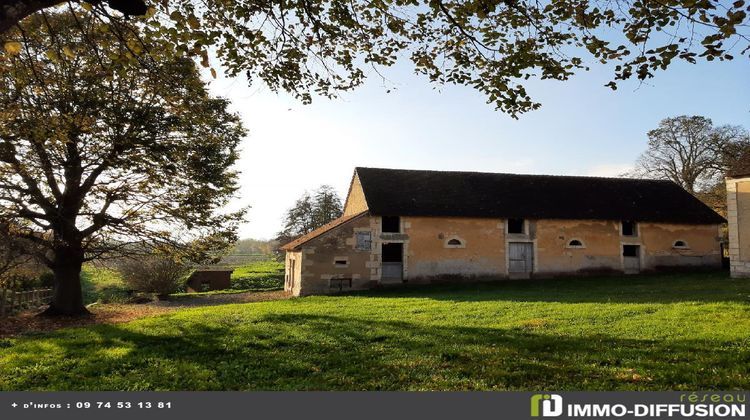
x=695, y=154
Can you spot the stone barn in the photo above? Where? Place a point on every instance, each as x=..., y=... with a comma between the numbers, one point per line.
x=738, y=213
x=408, y=226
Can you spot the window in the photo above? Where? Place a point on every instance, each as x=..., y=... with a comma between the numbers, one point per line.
x=630, y=250
x=629, y=228
x=680, y=244
x=575, y=243
x=454, y=242
x=364, y=241
x=391, y=224
x=516, y=226
x=341, y=262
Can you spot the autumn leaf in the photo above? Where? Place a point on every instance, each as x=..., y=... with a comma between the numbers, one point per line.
x=13, y=47
x=68, y=52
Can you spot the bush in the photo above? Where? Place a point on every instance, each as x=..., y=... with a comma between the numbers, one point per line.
x=23, y=278
x=154, y=274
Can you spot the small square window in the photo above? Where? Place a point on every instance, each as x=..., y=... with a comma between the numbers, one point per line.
x=516, y=226
x=630, y=250
x=364, y=241
x=629, y=228
x=391, y=224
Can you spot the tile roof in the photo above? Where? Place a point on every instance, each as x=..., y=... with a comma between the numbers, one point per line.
x=495, y=195
x=321, y=230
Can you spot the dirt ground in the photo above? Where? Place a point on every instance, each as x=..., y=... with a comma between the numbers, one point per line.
x=118, y=313
x=222, y=299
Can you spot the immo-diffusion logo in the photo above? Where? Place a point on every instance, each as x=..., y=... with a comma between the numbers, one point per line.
x=710, y=405
x=551, y=405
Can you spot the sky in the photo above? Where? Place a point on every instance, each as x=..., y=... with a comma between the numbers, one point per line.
x=583, y=128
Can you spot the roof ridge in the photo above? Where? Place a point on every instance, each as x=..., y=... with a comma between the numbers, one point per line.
x=321, y=230
x=627, y=179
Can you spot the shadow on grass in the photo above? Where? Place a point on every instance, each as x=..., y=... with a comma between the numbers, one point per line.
x=703, y=287
x=318, y=352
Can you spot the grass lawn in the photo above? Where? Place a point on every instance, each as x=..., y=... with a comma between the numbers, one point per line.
x=259, y=275
x=684, y=332
x=102, y=284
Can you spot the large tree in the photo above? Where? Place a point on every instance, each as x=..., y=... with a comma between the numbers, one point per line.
x=101, y=156
x=322, y=47
x=691, y=151
x=310, y=212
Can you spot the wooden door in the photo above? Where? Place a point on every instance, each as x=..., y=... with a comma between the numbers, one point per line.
x=520, y=258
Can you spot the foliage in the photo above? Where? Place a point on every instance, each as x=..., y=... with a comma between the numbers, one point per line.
x=323, y=47
x=262, y=275
x=160, y=274
x=690, y=151
x=99, y=154
x=676, y=332
x=310, y=212
x=693, y=153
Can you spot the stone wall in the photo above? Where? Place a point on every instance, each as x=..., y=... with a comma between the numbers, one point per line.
x=738, y=215
x=318, y=259
x=355, y=200
x=479, y=252
x=446, y=248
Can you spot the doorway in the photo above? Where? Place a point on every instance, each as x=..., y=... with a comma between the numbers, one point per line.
x=290, y=282
x=631, y=259
x=393, y=263
x=520, y=259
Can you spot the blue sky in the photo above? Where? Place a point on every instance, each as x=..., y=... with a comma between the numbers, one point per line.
x=583, y=128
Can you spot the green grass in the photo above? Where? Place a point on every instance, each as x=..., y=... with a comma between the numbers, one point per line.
x=259, y=275
x=685, y=332
x=103, y=285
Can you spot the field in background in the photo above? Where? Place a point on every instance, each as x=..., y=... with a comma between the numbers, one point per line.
x=104, y=285
x=260, y=275
x=680, y=332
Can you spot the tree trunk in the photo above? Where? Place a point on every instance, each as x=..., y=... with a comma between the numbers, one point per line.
x=68, y=296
